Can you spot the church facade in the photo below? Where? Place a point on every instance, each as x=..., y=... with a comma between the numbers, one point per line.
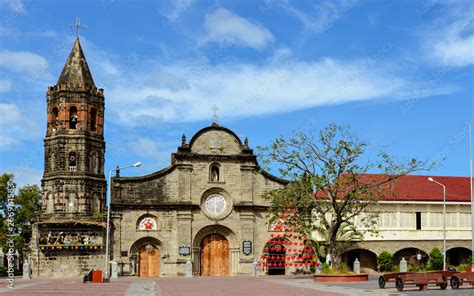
x=207, y=207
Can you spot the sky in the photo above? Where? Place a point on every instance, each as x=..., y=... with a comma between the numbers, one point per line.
x=399, y=73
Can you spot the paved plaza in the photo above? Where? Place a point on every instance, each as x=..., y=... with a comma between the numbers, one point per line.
x=212, y=286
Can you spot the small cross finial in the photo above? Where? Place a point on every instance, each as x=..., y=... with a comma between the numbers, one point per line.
x=215, y=118
x=78, y=26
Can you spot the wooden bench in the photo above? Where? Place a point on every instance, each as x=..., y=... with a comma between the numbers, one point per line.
x=459, y=278
x=421, y=280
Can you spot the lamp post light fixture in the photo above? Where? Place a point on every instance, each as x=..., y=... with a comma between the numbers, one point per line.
x=444, y=220
x=106, y=270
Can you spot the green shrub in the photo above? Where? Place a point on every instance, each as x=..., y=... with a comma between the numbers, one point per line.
x=3, y=271
x=436, y=260
x=343, y=268
x=326, y=268
x=415, y=267
x=385, y=261
x=463, y=267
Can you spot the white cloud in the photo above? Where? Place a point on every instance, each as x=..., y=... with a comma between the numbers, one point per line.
x=25, y=175
x=7, y=141
x=223, y=25
x=18, y=125
x=449, y=41
x=322, y=16
x=6, y=31
x=109, y=68
x=10, y=114
x=10, y=119
x=16, y=6
x=242, y=90
x=145, y=147
x=5, y=85
x=23, y=62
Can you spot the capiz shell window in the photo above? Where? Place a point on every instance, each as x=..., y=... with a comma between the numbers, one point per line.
x=148, y=223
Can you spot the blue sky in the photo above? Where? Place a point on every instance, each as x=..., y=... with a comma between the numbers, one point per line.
x=400, y=73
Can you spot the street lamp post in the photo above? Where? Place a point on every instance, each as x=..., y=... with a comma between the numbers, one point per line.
x=444, y=220
x=106, y=270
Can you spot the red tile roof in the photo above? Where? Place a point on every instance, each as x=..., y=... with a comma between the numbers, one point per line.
x=418, y=188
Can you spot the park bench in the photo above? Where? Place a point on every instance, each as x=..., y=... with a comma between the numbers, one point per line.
x=422, y=279
x=459, y=278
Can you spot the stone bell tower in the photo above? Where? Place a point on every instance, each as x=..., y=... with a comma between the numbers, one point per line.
x=74, y=146
x=68, y=236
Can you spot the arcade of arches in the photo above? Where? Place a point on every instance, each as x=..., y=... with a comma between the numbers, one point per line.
x=368, y=258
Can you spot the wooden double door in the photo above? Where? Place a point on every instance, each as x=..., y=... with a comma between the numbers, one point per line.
x=149, y=261
x=214, y=256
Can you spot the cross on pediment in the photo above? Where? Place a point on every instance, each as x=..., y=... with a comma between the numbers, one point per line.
x=215, y=118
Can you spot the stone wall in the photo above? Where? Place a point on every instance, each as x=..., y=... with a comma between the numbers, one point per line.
x=65, y=265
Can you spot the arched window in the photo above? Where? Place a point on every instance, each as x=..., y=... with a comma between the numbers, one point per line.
x=73, y=117
x=215, y=173
x=72, y=161
x=54, y=119
x=93, y=119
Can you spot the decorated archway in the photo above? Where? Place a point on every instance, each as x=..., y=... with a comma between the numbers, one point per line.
x=146, y=256
x=275, y=256
x=218, y=245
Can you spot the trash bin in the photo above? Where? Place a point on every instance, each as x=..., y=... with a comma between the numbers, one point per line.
x=97, y=276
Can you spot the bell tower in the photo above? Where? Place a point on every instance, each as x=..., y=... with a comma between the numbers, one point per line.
x=74, y=146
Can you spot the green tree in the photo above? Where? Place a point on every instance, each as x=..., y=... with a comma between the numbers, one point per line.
x=25, y=205
x=329, y=184
x=385, y=261
x=436, y=260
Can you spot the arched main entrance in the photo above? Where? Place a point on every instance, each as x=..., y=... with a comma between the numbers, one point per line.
x=149, y=261
x=214, y=255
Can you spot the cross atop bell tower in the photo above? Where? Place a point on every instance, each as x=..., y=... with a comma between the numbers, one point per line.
x=78, y=26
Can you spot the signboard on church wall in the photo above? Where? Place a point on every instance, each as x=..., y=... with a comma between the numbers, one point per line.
x=247, y=247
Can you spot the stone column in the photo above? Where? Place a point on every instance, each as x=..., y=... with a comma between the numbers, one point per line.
x=184, y=239
x=196, y=262
x=234, y=261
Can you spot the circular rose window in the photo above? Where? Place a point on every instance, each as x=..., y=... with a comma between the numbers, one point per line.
x=215, y=204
